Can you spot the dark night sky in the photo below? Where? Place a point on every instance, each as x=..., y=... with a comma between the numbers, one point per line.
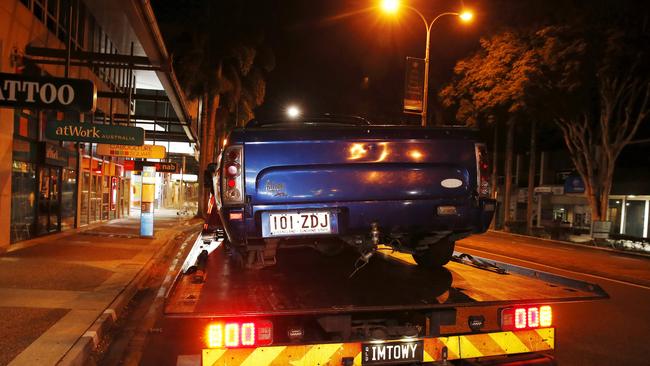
x=326, y=49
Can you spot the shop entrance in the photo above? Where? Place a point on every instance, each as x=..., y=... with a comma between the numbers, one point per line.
x=49, y=200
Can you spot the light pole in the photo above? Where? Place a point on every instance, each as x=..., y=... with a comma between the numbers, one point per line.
x=391, y=6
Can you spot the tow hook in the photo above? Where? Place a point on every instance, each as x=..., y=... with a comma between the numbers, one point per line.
x=374, y=234
x=367, y=252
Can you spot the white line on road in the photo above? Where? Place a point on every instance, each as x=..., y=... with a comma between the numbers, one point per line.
x=561, y=269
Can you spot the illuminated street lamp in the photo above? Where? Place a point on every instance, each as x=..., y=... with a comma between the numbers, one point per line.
x=392, y=6
x=293, y=112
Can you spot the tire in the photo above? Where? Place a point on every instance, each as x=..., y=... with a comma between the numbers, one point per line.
x=436, y=255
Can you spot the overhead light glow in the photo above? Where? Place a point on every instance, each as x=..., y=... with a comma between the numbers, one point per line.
x=293, y=112
x=466, y=16
x=390, y=6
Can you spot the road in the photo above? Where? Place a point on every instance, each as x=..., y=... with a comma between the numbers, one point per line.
x=606, y=332
x=613, y=331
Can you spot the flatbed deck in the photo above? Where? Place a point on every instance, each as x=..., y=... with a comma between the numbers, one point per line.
x=305, y=282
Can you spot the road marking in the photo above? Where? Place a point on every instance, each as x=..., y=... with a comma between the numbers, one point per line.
x=562, y=269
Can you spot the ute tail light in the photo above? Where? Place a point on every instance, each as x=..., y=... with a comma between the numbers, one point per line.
x=526, y=317
x=239, y=334
x=482, y=171
x=232, y=179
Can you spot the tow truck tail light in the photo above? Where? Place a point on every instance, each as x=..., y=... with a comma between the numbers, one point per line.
x=482, y=171
x=526, y=317
x=545, y=316
x=232, y=180
x=232, y=335
x=239, y=334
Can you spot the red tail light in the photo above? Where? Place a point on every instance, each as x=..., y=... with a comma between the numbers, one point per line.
x=526, y=317
x=239, y=334
x=232, y=179
x=482, y=171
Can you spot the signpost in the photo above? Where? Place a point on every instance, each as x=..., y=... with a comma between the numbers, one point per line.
x=601, y=229
x=22, y=91
x=95, y=133
x=133, y=152
x=147, y=201
x=161, y=167
x=574, y=184
x=414, y=85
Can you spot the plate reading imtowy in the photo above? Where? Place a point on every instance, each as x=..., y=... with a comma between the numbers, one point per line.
x=300, y=223
x=385, y=353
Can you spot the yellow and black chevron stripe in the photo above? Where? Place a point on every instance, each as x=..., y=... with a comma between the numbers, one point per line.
x=458, y=347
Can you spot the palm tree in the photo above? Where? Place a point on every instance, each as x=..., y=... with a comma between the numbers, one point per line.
x=218, y=66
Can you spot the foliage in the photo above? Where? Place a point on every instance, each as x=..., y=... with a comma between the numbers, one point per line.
x=591, y=80
x=497, y=80
x=220, y=58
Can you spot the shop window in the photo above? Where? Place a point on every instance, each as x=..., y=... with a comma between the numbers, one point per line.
x=614, y=214
x=634, y=218
x=23, y=201
x=26, y=124
x=38, y=10
x=49, y=200
x=52, y=15
x=85, y=198
x=68, y=198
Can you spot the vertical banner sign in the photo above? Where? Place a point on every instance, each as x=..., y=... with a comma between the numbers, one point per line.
x=147, y=201
x=414, y=85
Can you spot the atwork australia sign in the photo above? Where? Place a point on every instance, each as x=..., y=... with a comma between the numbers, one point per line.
x=95, y=133
x=21, y=91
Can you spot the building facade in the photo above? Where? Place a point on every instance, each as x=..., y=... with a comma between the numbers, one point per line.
x=559, y=201
x=48, y=186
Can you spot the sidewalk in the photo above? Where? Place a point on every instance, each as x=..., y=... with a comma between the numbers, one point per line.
x=53, y=289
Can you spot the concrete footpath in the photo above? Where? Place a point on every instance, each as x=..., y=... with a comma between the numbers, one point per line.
x=58, y=293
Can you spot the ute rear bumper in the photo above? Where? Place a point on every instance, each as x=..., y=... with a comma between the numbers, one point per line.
x=436, y=349
x=355, y=218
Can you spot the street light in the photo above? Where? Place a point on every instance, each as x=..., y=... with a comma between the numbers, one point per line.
x=391, y=6
x=293, y=112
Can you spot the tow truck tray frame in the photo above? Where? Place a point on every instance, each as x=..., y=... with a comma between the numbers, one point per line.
x=306, y=283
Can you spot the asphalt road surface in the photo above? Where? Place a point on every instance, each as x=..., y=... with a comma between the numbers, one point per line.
x=614, y=331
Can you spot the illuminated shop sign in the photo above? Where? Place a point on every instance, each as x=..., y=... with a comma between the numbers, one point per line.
x=47, y=93
x=133, y=152
x=161, y=167
x=88, y=132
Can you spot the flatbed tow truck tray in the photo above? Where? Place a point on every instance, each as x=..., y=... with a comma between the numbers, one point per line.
x=304, y=285
x=305, y=282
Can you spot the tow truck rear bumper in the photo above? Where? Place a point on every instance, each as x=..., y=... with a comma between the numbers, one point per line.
x=471, y=347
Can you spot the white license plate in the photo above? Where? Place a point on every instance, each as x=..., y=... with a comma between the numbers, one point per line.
x=300, y=223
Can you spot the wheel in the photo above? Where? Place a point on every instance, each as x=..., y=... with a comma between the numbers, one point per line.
x=436, y=255
x=329, y=247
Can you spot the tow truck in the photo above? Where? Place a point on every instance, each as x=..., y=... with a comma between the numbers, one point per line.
x=310, y=309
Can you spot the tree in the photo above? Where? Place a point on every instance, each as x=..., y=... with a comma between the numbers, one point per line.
x=598, y=81
x=492, y=84
x=591, y=80
x=219, y=57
